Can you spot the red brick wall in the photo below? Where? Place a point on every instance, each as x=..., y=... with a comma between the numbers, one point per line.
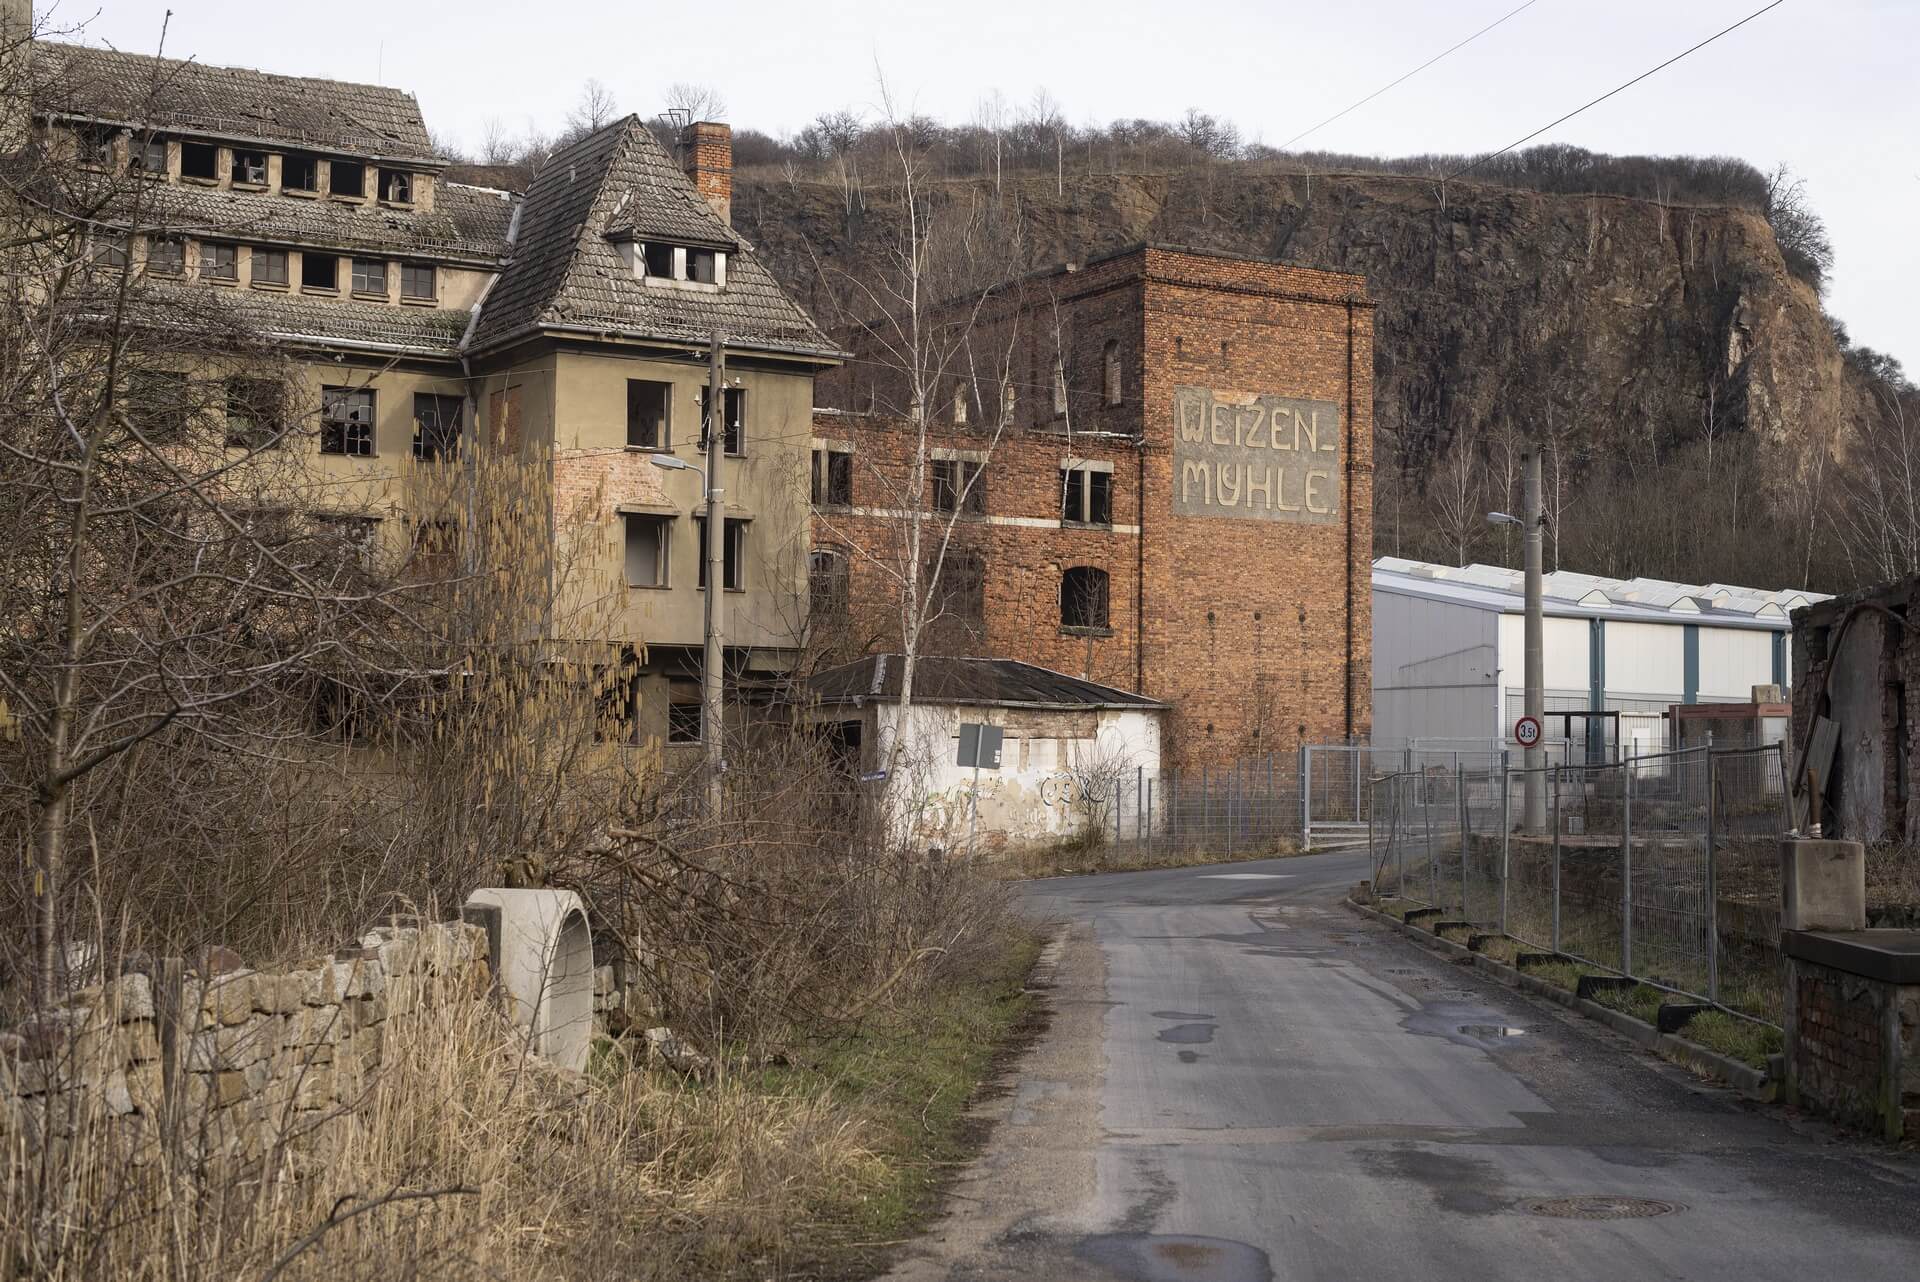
x=709, y=161
x=1248, y=625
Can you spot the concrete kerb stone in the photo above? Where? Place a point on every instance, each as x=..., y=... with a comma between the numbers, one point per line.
x=1751, y=1082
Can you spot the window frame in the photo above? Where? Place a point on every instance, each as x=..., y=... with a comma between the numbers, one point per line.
x=664, y=426
x=413, y=270
x=662, y=526
x=963, y=577
x=140, y=151
x=834, y=602
x=210, y=261
x=431, y=444
x=288, y=161
x=348, y=433
x=335, y=168
x=177, y=407
x=259, y=394
x=832, y=474
x=236, y=161
x=960, y=486
x=361, y=280
x=677, y=715
x=279, y=256
x=388, y=177
x=210, y=151
x=309, y=261
x=176, y=264
x=733, y=553
x=1079, y=492
x=1086, y=600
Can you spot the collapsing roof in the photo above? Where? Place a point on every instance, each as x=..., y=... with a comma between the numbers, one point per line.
x=1569, y=593
x=947, y=679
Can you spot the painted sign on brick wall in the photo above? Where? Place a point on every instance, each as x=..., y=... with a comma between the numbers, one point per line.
x=1270, y=458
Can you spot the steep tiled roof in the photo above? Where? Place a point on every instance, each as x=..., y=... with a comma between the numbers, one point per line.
x=466, y=222
x=292, y=318
x=566, y=271
x=228, y=102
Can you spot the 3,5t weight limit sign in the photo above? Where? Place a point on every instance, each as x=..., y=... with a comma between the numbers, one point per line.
x=1526, y=732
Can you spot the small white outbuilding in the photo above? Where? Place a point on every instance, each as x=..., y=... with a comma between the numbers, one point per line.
x=1449, y=655
x=1069, y=749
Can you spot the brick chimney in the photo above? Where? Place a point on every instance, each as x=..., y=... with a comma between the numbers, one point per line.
x=707, y=152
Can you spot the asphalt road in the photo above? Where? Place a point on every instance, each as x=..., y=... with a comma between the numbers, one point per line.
x=1241, y=1080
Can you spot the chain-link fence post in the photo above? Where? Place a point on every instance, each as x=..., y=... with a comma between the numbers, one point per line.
x=1466, y=833
x=1306, y=811
x=1433, y=865
x=1713, y=878
x=1506, y=836
x=1554, y=775
x=1626, y=869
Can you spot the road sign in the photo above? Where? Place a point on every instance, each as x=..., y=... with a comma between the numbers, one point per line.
x=1526, y=732
x=979, y=746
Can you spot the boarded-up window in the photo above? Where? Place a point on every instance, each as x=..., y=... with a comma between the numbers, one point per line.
x=503, y=419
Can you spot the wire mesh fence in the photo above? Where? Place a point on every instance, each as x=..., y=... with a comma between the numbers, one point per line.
x=1660, y=867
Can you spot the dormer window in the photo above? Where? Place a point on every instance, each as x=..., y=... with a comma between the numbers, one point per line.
x=349, y=179
x=700, y=265
x=656, y=260
x=249, y=168
x=659, y=260
x=300, y=173
x=200, y=161
x=396, y=186
x=147, y=155
x=93, y=145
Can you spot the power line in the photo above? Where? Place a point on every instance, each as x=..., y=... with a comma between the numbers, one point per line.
x=1409, y=75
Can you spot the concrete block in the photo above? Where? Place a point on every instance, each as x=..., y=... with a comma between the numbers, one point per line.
x=1823, y=885
x=542, y=952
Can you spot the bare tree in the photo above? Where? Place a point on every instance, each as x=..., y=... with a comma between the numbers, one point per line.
x=1456, y=497
x=1799, y=231
x=698, y=102
x=595, y=109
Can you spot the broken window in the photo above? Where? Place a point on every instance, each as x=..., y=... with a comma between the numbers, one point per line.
x=348, y=178
x=827, y=583
x=733, y=554
x=157, y=403
x=959, y=485
x=436, y=426
x=354, y=537
x=396, y=186
x=147, y=154
x=200, y=160
x=960, y=593
x=93, y=145
x=370, y=276
x=832, y=477
x=416, y=281
x=1083, y=598
x=253, y=413
x=733, y=413
x=1110, y=371
x=1086, y=495
x=270, y=268
x=346, y=421
x=219, y=262
x=249, y=169
x=648, y=538
x=166, y=256
x=320, y=271
x=109, y=250
x=659, y=260
x=683, y=712
x=299, y=172
x=648, y=402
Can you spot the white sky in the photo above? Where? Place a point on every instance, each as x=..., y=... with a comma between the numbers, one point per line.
x=1827, y=86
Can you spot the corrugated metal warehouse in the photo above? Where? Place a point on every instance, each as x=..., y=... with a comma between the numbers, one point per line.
x=1449, y=653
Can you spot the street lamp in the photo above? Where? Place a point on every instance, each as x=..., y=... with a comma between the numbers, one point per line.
x=715, y=626
x=1533, y=810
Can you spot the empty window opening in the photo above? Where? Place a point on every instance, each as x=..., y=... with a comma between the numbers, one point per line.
x=347, y=178
x=354, y=537
x=733, y=414
x=960, y=591
x=370, y=276
x=93, y=144
x=616, y=700
x=200, y=160
x=1083, y=597
x=959, y=485
x=683, y=713
x=648, y=405
x=299, y=172
x=166, y=257
x=960, y=404
x=1059, y=389
x=1086, y=496
x=416, y=280
x=346, y=421
x=436, y=426
x=832, y=478
x=270, y=267
x=109, y=250
x=659, y=260
x=249, y=168
x=648, y=538
x=733, y=554
x=396, y=186
x=158, y=404
x=147, y=154
x=253, y=413
x=219, y=262
x=319, y=271
x=827, y=583
x=700, y=265
x=1110, y=371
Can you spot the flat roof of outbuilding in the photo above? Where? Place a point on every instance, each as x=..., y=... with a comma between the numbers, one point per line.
x=951, y=679
x=1569, y=594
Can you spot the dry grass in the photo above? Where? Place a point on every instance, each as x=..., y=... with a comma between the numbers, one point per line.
x=1075, y=859
x=463, y=1158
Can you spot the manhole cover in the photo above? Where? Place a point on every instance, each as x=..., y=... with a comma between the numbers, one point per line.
x=1600, y=1207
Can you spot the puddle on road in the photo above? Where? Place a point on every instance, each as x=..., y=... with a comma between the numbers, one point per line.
x=1173, y=1257
x=1488, y=1032
x=1461, y=1023
x=1188, y=1015
x=1191, y=1057
x=1188, y=1034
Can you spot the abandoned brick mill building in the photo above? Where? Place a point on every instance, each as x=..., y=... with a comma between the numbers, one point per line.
x=1179, y=503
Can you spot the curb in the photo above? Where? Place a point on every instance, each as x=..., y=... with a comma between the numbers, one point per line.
x=1751, y=1082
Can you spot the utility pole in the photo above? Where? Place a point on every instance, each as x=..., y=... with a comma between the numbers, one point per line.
x=1533, y=516
x=712, y=666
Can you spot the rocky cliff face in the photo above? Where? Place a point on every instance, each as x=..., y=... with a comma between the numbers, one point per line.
x=1626, y=331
